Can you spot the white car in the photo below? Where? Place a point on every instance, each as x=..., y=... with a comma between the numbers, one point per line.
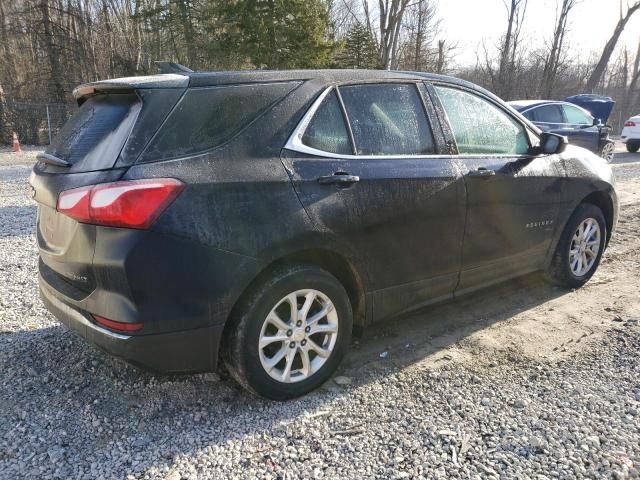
x=631, y=134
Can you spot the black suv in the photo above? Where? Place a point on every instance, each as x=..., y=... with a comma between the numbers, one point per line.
x=261, y=217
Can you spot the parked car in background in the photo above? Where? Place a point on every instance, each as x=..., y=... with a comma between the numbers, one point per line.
x=259, y=217
x=578, y=124
x=631, y=134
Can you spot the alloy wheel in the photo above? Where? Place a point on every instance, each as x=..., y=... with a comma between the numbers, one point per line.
x=608, y=152
x=585, y=245
x=298, y=336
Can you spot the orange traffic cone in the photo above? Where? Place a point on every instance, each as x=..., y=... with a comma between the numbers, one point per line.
x=16, y=143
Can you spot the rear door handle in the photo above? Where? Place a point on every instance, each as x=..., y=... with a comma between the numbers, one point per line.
x=338, y=177
x=482, y=173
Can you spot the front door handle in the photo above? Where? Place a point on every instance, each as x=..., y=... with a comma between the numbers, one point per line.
x=482, y=173
x=338, y=177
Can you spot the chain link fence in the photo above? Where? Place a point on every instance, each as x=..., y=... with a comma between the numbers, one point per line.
x=35, y=123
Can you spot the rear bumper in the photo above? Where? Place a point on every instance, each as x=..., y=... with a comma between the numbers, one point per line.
x=194, y=350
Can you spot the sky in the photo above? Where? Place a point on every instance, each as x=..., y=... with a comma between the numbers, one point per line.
x=591, y=22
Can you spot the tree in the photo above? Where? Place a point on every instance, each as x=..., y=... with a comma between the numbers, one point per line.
x=555, y=56
x=516, y=10
x=359, y=49
x=445, y=49
x=421, y=26
x=503, y=76
x=277, y=33
x=609, y=47
x=391, y=13
x=52, y=50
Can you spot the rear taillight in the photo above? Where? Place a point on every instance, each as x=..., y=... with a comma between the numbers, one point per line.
x=118, y=326
x=128, y=204
x=630, y=124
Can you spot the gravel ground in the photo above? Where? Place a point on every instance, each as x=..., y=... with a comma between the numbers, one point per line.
x=530, y=382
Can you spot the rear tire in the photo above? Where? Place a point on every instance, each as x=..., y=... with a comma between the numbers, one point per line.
x=312, y=345
x=579, y=249
x=633, y=147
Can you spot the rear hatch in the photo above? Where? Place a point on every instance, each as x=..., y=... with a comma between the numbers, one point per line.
x=111, y=127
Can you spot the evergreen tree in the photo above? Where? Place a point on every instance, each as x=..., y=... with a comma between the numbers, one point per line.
x=275, y=34
x=359, y=49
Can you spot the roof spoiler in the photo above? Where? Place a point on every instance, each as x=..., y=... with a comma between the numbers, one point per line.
x=171, y=80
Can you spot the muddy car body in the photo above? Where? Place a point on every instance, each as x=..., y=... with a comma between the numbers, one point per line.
x=299, y=205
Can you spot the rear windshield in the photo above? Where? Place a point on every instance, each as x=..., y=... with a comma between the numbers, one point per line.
x=95, y=134
x=207, y=117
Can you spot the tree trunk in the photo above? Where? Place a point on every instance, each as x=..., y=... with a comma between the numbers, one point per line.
x=555, y=54
x=609, y=47
x=52, y=52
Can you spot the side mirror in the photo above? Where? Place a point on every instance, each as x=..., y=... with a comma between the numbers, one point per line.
x=551, y=143
x=597, y=122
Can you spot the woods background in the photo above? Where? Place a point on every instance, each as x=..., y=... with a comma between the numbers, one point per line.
x=47, y=47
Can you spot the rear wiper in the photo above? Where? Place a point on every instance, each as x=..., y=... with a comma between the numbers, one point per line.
x=52, y=160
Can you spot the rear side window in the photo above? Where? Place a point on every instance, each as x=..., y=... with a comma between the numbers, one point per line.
x=548, y=114
x=479, y=126
x=327, y=130
x=95, y=134
x=207, y=117
x=577, y=116
x=387, y=119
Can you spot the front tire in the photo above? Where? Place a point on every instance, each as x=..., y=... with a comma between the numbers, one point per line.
x=633, y=147
x=579, y=249
x=290, y=333
x=608, y=151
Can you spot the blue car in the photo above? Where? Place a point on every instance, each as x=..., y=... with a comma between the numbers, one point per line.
x=581, y=118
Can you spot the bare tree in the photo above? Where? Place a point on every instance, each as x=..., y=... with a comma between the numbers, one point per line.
x=391, y=13
x=421, y=26
x=630, y=82
x=503, y=76
x=555, y=56
x=445, y=50
x=609, y=47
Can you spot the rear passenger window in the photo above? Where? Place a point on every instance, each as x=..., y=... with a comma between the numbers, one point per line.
x=548, y=114
x=327, y=130
x=479, y=126
x=207, y=117
x=387, y=119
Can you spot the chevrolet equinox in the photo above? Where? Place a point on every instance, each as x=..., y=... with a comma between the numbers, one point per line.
x=259, y=218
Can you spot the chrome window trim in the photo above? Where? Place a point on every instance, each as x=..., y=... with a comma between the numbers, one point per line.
x=294, y=143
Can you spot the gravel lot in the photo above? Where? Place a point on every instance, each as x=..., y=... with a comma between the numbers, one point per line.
x=521, y=381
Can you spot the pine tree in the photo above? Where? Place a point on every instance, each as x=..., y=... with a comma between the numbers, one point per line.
x=275, y=34
x=359, y=49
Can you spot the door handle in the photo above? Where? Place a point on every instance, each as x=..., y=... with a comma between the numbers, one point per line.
x=339, y=178
x=482, y=173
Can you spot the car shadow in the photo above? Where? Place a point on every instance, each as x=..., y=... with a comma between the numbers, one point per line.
x=60, y=381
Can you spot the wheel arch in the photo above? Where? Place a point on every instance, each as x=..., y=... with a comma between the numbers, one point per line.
x=599, y=198
x=603, y=201
x=334, y=263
